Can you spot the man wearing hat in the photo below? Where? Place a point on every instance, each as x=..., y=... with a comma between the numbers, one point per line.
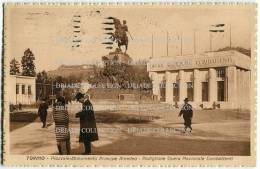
x=187, y=113
x=88, y=127
x=42, y=111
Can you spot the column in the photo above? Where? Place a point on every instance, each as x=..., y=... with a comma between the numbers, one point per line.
x=196, y=86
x=182, y=86
x=212, y=85
x=169, y=88
x=156, y=87
x=33, y=90
x=25, y=96
x=248, y=89
x=232, y=86
x=17, y=94
x=240, y=86
x=243, y=90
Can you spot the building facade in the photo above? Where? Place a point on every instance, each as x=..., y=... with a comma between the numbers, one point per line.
x=209, y=80
x=22, y=89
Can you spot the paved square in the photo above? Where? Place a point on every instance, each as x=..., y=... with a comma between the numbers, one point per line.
x=215, y=132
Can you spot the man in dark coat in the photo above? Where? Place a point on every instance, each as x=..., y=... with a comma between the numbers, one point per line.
x=88, y=128
x=187, y=113
x=42, y=112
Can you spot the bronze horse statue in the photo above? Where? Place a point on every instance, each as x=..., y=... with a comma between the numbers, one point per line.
x=119, y=36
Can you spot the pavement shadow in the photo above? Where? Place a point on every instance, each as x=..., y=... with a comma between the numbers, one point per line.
x=117, y=117
x=176, y=146
x=23, y=116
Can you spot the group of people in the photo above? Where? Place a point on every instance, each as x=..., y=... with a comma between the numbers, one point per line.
x=88, y=129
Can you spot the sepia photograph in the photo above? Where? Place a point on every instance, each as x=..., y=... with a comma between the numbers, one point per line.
x=146, y=83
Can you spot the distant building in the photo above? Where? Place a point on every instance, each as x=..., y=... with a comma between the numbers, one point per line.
x=73, y=67
x=22, y=89
x=208, y=80
x=84, y=70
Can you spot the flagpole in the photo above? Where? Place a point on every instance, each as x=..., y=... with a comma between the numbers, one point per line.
x=230, y=45
x=194, y=41
x=210, y=41
x=181, y=42
x=167, y=42
x=152, y=45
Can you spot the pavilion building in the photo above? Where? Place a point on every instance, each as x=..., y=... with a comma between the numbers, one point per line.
x=208, y=80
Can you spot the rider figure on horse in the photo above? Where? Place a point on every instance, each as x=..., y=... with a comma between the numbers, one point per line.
x=120, y=35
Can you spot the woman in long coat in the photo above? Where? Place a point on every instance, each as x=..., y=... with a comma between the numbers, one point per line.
x=88, y=129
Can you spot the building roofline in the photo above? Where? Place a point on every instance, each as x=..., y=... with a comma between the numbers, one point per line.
x=203, y=60
x=28, y=77
x=204, y=54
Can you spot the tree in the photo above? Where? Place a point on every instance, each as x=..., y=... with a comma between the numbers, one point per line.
x=42, y=77
x=14, y=67
x=97, y=77
x=28, y=67
x=43, y=85
x=123, y=75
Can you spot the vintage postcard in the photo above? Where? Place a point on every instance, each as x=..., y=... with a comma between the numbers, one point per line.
x=129, y=84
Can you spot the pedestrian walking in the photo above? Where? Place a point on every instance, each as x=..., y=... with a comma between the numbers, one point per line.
x=187, y=113
x=42, y=112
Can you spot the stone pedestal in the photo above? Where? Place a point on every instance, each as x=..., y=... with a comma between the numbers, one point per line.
x=119, y=56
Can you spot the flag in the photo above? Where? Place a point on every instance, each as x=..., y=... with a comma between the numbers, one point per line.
x=217, y=28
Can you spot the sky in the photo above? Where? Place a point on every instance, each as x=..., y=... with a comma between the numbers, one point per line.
x=48, y=31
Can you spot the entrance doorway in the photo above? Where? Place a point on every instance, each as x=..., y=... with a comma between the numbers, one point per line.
x=205, y=91
x=221, y=90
